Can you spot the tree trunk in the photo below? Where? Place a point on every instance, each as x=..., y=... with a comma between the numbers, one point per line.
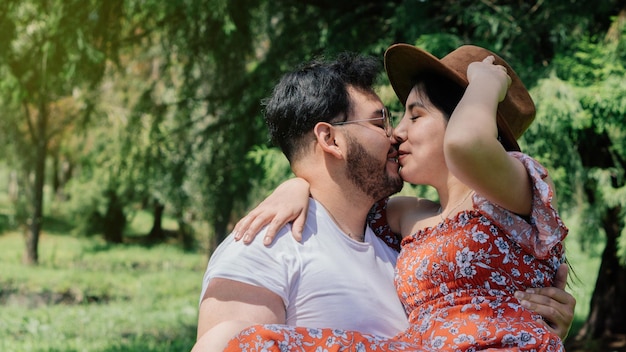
x=186, y=234
x=607, y=315
x=114, y=220
x=220, y=222
x=56, y=180
x=156, y=233
x=31, y=255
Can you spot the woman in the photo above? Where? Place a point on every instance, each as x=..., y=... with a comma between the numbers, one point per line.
x=494, y=231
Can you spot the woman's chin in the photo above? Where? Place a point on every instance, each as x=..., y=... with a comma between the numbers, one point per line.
x=407, y=175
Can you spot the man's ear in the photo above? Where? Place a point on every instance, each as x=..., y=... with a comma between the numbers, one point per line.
x=327, y=136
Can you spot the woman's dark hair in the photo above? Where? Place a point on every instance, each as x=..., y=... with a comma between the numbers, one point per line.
x=442, y=92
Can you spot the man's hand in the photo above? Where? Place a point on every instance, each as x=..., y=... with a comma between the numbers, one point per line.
x=289, y=202
x=554, y=304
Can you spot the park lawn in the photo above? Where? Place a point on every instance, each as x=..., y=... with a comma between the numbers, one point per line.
x=89, y=296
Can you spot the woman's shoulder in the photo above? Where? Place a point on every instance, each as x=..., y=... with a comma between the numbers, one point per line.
x=416, y=214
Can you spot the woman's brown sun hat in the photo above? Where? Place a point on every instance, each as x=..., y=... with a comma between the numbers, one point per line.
x=404, y=63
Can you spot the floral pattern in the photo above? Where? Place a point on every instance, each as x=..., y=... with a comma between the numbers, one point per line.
x=283, y=338
x=377, y=219
x=456, y=282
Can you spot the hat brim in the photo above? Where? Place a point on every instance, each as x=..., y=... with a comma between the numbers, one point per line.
x=404, y=63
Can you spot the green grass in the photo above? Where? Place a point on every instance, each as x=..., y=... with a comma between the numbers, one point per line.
x=88, y=296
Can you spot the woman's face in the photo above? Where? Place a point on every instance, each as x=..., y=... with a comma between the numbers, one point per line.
x=420, y=134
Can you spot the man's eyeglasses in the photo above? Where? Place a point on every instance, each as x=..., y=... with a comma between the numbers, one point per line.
x=385, y=118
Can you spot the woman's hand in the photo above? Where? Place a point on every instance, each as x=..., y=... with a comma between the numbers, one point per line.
x=288, y=202
x=487, y=69
x=554, y=304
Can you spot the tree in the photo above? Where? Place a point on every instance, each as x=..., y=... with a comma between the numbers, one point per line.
x=219, y=60
x=580, y=132
x=51, y=50
x=241, y=47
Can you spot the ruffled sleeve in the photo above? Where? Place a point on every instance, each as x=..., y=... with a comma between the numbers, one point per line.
x=540, y=233
x=377, y=219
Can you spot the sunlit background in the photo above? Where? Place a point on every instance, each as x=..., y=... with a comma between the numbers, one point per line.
x=132, y=138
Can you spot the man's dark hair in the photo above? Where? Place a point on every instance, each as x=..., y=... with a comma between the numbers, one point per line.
x=316, y=92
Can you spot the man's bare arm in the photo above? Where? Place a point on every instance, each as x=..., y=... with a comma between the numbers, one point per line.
x=228, y=300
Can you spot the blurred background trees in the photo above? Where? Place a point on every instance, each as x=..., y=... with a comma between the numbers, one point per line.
x=53, y=54
x=111, y=107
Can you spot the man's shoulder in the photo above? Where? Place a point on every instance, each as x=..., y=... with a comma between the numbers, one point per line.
x=282, y=239
x=237, y=260
x=255, y=264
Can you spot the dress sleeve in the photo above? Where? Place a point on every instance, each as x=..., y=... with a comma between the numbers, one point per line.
x=377, y=219
x=543, y=230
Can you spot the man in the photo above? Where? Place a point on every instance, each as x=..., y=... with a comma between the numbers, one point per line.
x=335, y=132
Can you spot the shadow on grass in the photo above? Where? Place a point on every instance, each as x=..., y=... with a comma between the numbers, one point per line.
x=52, y=225
x=144, y=241
x=613, y=343
x=98, y=246
x=171, y=341
x=57, y=226
x=5, y=223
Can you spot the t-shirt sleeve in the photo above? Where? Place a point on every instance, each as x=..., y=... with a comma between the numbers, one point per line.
x=544, y=230
x=271, y=267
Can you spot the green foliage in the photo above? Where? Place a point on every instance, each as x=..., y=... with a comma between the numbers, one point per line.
x=197, y=71
x=53, y=51
x=275, y=168
x=552, y=138
x=439, y=44
x=579, y=131
x=105, y=181
x=584, y=259
x=56, y=44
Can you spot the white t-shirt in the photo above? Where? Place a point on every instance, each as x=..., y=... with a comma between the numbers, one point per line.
x=327, y=281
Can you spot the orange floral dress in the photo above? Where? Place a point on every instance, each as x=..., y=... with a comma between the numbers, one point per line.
x=456, y=282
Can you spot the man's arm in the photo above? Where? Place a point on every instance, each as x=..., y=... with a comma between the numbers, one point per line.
x=230, y=306
x=226, y=300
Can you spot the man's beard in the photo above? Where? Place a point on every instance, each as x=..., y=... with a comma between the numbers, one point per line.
x=372, y=179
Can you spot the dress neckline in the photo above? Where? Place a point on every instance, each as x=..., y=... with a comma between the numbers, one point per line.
x=446, y=223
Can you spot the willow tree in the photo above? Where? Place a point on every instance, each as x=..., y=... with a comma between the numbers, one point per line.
x=219, y=59
x=50, y=51
x=580, y=131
